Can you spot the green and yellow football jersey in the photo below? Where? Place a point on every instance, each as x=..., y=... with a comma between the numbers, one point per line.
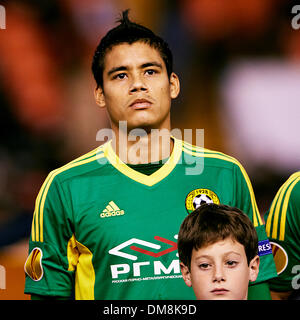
x=110, y=232
x=283, y=229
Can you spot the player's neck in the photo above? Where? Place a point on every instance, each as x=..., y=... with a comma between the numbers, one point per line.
x=149, y=148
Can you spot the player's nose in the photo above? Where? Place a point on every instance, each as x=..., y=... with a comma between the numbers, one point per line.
x=138, y=83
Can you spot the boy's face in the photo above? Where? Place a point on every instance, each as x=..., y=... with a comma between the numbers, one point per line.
x=136, y=87
x=220, y=271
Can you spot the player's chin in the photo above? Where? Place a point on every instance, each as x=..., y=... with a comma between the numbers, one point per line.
x=142, y=123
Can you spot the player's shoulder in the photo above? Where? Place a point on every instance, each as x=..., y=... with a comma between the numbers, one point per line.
x=293, y=182
x=82, y=165
x=212, y=157
x=295, y=193
x=290, y=188
x=283, y=207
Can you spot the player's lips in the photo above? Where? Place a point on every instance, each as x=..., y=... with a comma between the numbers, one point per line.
x=219, y=291
x=140, y=104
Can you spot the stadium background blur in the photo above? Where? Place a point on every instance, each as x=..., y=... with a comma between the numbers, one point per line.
x=239, y=66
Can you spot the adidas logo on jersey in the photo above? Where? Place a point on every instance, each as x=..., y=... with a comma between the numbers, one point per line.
x=111, y=210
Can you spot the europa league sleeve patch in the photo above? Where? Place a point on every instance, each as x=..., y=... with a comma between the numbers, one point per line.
x=280, y=257
x=33, y=265
x=264, y=247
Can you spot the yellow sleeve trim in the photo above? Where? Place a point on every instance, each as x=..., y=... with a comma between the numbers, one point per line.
x=282, y=197
x=284, y=209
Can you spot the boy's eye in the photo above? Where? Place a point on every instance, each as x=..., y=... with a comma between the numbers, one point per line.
x=204, y=266
x=231, y=263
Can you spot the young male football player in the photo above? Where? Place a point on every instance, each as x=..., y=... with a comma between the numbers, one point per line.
x=106, y=223
x=283, y=229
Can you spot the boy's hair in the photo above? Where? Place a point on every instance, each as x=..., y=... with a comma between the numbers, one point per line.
x=128, y=32
x=211, y=223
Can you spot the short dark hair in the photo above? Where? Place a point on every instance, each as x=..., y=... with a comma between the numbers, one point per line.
x=211, y=223
x=128, y=32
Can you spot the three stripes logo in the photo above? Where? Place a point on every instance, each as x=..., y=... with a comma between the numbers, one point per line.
x=111, y=210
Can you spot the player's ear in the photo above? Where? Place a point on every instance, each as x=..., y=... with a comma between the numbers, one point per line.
x=174, y=85
x=99, y=97
x=186, y=274
x=253, y=268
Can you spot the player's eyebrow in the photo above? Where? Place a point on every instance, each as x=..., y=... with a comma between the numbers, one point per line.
x=151, y=64
x=113, y=70
x=142, y=66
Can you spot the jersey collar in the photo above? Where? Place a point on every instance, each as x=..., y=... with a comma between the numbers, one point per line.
x=155, y=177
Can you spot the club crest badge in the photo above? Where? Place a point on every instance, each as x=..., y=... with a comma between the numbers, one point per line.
x=198, y=197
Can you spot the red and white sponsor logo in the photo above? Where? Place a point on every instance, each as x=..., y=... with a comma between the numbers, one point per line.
x=153, y=269
x=129, y=243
